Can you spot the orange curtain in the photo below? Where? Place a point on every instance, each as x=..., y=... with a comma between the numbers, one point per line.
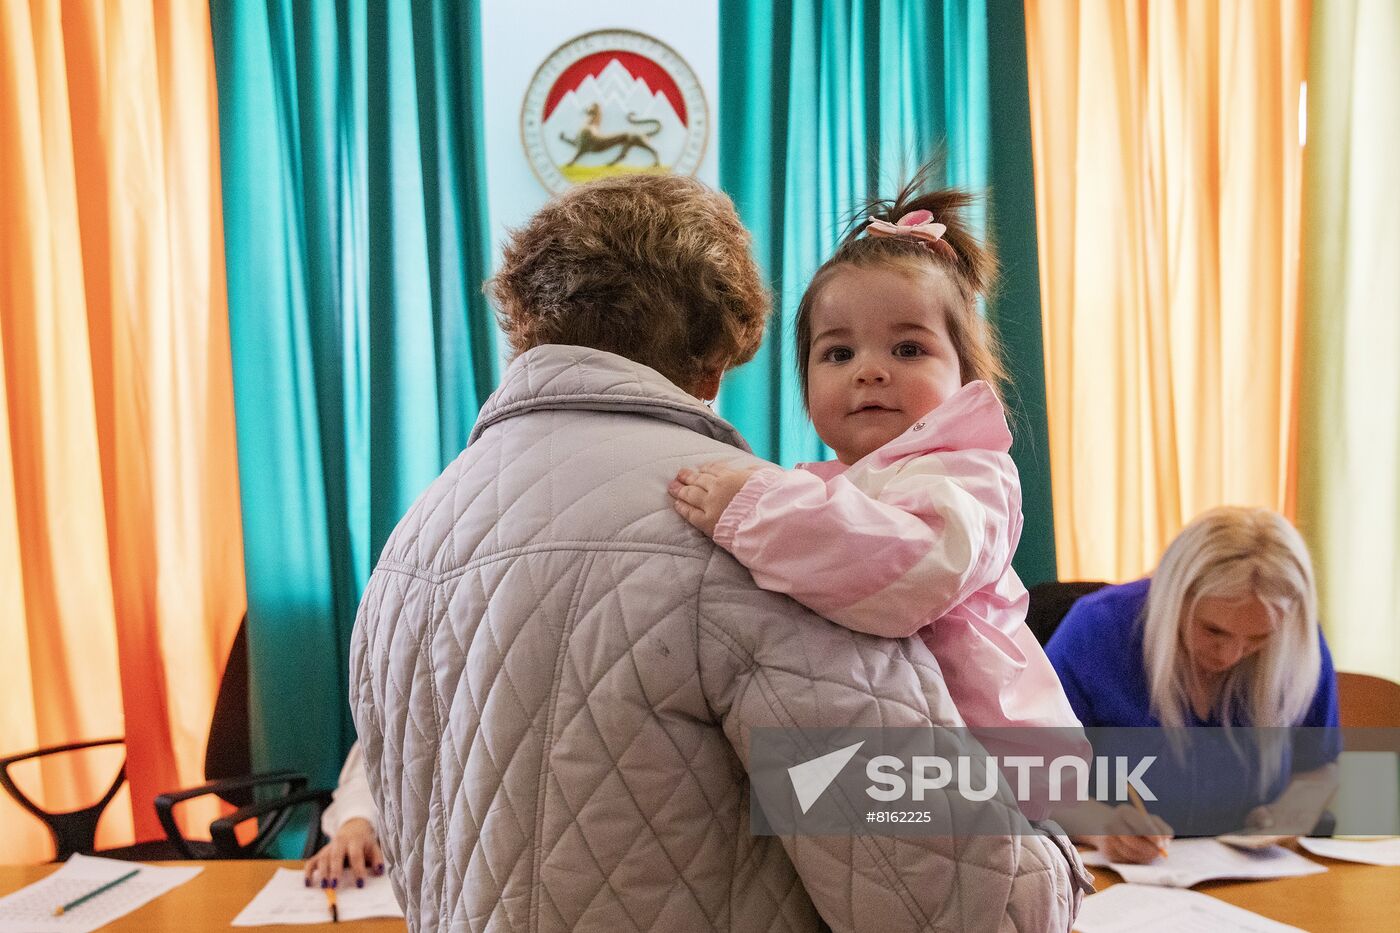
x=1168, y=174
x=121, y=561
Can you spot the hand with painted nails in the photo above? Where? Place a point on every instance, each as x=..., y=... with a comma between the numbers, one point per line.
x=354, y=847
x=702, y=495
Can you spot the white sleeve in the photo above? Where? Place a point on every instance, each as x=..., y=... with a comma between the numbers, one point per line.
x=351, y=798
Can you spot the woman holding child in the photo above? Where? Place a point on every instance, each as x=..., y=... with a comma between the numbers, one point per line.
x=556, y=680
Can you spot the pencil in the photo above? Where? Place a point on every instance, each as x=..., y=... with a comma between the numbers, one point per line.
x=330, y=899
x=60, y=911
x=1142, y=808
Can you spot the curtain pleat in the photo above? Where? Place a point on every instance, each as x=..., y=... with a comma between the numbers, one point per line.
x=362, y=345
x=120, y=541
x=1349, y=490
x=1168, y=176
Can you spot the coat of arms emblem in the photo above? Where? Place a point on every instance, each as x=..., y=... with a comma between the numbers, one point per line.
x=611, y=102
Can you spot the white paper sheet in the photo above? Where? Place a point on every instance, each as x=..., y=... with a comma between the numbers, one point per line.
x=1134, y=908
x=1254, y=842
x=1192, y=861
x=1385, y=851
x=1094, y=858
x=287, y=899
x=30, y=909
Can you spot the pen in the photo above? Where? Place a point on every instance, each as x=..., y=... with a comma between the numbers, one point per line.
x=1142, y=808
x=330, y=899
x=59, y=911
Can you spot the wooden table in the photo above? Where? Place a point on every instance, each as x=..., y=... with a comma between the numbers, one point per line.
x=208, y=902
x=1347, y=897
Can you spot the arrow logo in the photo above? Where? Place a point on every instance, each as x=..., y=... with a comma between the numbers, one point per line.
x=811, y=778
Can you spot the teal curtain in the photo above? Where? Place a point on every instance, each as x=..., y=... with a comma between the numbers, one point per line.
x=356, y=245
x=1015, y=309
x=824, y=103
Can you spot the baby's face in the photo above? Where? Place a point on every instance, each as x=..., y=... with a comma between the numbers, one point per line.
x=880, y=357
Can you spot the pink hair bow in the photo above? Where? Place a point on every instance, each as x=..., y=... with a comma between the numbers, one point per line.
x=917, y=224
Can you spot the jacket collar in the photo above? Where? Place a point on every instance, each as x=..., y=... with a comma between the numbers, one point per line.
x=970, y=418
x=554, y=377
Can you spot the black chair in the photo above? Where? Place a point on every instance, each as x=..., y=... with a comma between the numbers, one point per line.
x=227, y=765
x=75, y=830
x=1050, y=603
x=274, y=814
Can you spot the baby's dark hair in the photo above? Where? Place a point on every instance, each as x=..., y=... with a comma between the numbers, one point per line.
x=970, y=264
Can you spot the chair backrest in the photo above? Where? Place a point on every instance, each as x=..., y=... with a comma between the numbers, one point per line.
x=74, y=830
x=228, y=752
x=1050, y=603
x=272, y=817
x=227, y=765
x=1367, y=701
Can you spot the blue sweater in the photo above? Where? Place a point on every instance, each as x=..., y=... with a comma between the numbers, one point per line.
x=1097, y=651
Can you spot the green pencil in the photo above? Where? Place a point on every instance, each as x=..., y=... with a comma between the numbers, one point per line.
x=59, y=911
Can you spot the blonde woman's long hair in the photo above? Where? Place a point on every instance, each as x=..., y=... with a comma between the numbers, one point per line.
x=1234, y=553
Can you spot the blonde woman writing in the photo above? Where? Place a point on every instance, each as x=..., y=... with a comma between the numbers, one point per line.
x=1223, y=635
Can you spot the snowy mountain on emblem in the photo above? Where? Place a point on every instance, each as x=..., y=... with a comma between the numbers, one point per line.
x=617, y=93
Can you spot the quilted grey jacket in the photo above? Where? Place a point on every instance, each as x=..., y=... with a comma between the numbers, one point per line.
x=553, y=677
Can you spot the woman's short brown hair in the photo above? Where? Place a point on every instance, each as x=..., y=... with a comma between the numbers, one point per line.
x=655, y=268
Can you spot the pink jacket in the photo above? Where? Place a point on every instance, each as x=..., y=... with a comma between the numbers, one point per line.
x=915, y=537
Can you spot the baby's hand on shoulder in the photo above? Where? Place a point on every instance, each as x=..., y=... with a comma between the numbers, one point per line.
x=702, y=495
